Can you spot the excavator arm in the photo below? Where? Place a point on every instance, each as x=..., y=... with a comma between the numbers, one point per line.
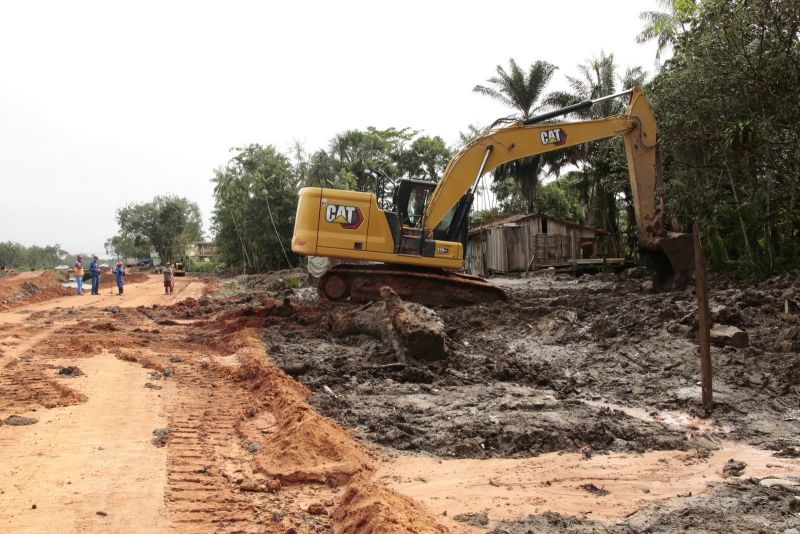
x=671, y=254
x=637, y=126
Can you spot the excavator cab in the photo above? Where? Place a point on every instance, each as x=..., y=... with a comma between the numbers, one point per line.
x=411, y=199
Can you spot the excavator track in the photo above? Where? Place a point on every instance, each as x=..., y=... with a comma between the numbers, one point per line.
x=431, y=287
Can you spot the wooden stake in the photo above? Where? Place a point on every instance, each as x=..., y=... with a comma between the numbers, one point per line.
x=703, y=317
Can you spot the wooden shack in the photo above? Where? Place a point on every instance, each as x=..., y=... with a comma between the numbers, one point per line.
x=529, y=241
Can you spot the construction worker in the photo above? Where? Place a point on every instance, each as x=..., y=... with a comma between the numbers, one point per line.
x=78, y=268
x=94, y=271
x=169, y=283
x=119, y=270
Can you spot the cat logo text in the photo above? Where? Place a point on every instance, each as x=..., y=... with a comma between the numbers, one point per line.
x=350, y=217
x=554, y=137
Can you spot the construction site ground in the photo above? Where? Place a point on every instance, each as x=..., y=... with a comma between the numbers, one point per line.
x=231, y=406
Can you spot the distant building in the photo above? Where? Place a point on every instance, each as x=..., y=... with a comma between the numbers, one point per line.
x=199, y=251
x=528, y=241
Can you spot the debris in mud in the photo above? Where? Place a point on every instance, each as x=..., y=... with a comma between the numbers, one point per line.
x=168, y=372
x=70, y=371
x=733, y=468
x=161, y=436
x=150, y=385
x=476, y=518
x=591, y=488
x=728, y=336
x=414, y=332
x=253, y=447
x=18, y=420
x=260, y=486
x=788, y=452
x=783, y=482
x=155, y=375
x=419, y=334
x=317, y=508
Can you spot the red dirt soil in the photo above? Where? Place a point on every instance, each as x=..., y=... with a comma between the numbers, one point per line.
x=25, y=288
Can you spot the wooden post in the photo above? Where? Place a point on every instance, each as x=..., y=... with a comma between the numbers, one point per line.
x=703, y=317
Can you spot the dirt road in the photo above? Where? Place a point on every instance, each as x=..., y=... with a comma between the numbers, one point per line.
x=156, y=413
x=159, y=413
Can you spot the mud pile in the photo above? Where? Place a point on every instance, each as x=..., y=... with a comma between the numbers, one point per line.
x=25, y=288
x=743, y=506
x=592, y=364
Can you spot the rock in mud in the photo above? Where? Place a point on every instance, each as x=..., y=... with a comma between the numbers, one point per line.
x=591, y=488
x=317, y=508
x=253, y=447
x=476, y=518
x=733, y=468
x=70, y=371
x=729, y=336
x=160, y=437
x=18, y=420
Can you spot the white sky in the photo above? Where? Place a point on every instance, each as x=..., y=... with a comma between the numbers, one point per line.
x=105, y=103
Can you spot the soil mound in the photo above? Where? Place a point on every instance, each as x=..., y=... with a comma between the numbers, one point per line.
x=367, y=507
x=305, y=447
x=25, y=288
x=108, y=278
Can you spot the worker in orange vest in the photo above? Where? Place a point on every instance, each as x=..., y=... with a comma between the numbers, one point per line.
x=79, y=274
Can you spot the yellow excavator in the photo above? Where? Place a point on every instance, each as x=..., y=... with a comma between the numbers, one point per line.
x=418, y=246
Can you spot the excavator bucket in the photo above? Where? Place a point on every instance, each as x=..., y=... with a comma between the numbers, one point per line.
x=673, y=262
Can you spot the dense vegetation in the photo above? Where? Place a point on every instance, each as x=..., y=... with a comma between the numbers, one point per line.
x=726, y=102
x=19, y=257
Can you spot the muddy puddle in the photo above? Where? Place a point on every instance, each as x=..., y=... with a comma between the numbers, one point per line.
x=605, y=488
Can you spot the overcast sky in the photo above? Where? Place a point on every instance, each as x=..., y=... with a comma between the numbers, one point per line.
x=106, y=103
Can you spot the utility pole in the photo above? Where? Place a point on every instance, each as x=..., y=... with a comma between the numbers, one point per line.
x=703, y=318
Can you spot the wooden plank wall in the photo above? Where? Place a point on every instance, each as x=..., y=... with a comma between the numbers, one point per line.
x=509, y=248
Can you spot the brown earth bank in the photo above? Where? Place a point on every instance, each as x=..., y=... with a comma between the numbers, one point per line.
x=242, y=449
x=572, y=406
x=19, y=289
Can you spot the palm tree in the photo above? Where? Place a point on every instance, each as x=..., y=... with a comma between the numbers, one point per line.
x=665, y=26
x=603, y=173
x=520, y=90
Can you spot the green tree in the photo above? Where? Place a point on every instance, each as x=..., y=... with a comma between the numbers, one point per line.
x=255, y=199
x=727, y=107
x=665, y=26
x=602, y=179
x=17, y=256
x=522, y=91
x=425, y=159
x=167, y=223
x=127, y=247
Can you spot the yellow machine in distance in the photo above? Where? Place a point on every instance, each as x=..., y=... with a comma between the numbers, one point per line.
x=423, y=239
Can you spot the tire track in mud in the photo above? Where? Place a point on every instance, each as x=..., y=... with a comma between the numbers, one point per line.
x=202, y=494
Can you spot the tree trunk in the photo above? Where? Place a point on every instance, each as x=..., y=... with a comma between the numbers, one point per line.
x=414, y=332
